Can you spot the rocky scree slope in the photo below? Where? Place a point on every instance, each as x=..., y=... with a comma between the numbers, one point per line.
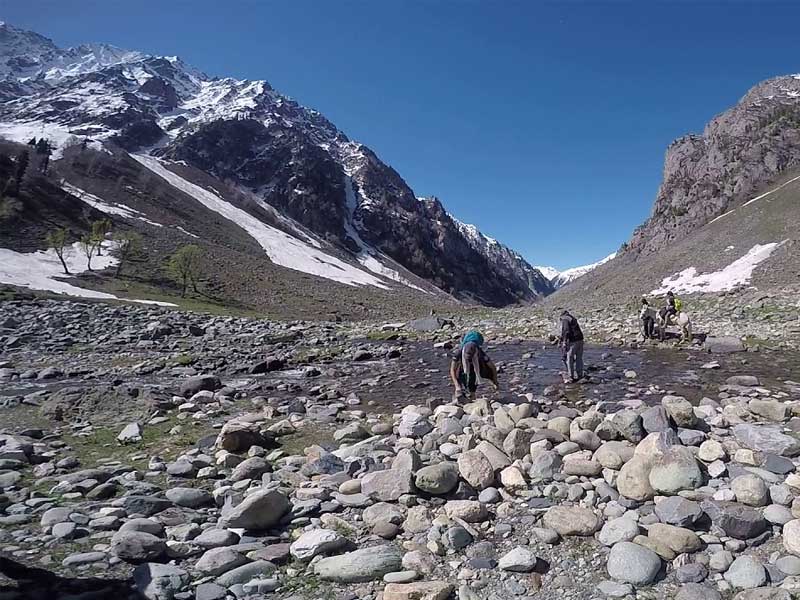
x=258, y=141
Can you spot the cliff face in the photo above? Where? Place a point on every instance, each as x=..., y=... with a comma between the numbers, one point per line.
x=740, y=151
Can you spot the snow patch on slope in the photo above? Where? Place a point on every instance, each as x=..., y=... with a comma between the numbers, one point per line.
x=367, y=255
x=281, y=248
x=735, y=274
x=106, y=207
x=42, y=271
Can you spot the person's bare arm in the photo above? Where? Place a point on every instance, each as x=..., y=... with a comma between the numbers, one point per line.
x=492, y=373
x=454, y=375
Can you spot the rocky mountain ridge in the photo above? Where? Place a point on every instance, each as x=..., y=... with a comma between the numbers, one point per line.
x=739, y=152
x=288, y=158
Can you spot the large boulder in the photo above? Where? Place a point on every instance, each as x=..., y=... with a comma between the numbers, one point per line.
x=766, y=438
x=475, y=469
x=418, y=590
x=791, y=537
x=723, y=345
x=238, y=436
x=676, y=470
x=470, y=511
x=633, y=563
x=387, y=485
x=750, y=490
x=137, y=546
x=544, y=465
x=656, y=444
x=217, y=561
x=200, y=383
x=382, y=512
x=696, y=591
x=572, y=520
x=680, y=409
x=365, y=564
x=518, y=560
x=189, y=497
x=621, y=529
x=259, y=510
x=437, y=479
x=771, y=410
x=414, y=425
x=634, y=479
x=628, y=424
x=736, y=520
x=746, y=572
x=246, y=573
x=316, y=541
x=678, y=511
x=678, y=539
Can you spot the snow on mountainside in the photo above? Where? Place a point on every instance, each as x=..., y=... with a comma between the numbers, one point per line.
x=290, y=158
x=549, y=272
x=503, y=257
x=562, y=278
x=28, y=55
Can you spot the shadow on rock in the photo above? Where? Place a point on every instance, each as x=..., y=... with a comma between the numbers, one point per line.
x=33, y=583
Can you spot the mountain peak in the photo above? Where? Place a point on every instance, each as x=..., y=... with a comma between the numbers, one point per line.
x=288, y=158
x=26, y=55
x=562, y=278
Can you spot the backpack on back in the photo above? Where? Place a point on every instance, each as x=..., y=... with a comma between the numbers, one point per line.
x=678, y=304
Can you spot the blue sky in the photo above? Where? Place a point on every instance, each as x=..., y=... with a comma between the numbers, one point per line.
x=544, y=124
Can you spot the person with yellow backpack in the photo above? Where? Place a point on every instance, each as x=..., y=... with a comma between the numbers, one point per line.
x=674, y=306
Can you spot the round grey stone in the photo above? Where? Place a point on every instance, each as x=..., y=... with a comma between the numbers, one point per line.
x=632, y=563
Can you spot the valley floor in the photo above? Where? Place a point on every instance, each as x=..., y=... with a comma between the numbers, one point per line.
x=170, y=454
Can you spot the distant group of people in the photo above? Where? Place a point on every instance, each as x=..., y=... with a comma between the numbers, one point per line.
x=648, y=314
x=470, y=364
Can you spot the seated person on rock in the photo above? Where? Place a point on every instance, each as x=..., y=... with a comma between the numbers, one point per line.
x=469, y=365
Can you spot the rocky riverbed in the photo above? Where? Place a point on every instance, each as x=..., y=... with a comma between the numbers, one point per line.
x=153, y=453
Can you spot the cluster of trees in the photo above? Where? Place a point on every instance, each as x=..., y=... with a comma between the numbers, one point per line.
x=42, y=149
x=184, y=265
x=91, y=244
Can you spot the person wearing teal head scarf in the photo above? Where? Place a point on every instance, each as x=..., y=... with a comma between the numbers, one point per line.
x=470, y=365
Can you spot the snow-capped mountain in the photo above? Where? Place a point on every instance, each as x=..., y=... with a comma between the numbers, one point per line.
x=504, y=259
x=549, y=272
x=288, y=160
x=561, y=278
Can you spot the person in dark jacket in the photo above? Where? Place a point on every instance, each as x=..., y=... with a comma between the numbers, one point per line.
x=469, y=365
x=572, y=345
x=648, y=317
x=672, y=308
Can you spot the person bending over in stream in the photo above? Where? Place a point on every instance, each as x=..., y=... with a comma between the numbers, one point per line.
x=572, y=345
x=470, y=365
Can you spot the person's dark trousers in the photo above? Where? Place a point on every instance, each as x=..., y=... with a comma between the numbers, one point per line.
x=575, y=360
x=649, y=327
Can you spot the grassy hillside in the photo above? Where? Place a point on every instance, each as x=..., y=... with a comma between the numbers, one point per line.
x=237, y=274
